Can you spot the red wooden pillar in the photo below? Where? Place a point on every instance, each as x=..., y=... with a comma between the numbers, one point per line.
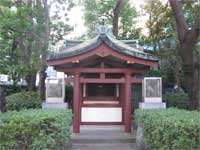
x=76, y=104
x=127, y=105
x=122, y=99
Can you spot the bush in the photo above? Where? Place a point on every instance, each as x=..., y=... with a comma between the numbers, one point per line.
x=35, y=129
x=10, y=89
x=23, y=100
x=170, y=129
x=69, y=95
x=179, y=100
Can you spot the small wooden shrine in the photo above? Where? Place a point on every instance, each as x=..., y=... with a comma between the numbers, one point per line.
x=102, y=71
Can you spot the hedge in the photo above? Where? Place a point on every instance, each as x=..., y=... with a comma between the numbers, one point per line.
x=170, y=129
x=23, y=100
x=35, y=129
x=10, y=89
x=179, y=100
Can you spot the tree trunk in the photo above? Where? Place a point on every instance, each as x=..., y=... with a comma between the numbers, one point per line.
x=177, y=75
x=191, y=69
x=116, y=12
x=42, y=73
x=190, y=59
x=195, y=103
x=2, y=99
x=31, y=79
x=42, y=77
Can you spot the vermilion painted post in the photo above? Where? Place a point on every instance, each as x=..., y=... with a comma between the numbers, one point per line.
x=76, y=104
x=122, y=98
x=127, y=105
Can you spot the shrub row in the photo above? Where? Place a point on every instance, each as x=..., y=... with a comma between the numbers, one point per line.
x=35, y=129
x=170, y=129
x=179, y=100
x=10, y=89
x=23, y=100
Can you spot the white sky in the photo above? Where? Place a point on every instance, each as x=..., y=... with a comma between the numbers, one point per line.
x=76, y=19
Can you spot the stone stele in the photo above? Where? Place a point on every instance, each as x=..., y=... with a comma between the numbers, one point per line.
x=55, y=93
x=152, y=93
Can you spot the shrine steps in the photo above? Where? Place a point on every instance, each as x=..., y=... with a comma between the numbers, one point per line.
x=103, y=138
x=104, y=146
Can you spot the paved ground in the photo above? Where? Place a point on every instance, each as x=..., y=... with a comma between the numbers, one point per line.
x=103, y=138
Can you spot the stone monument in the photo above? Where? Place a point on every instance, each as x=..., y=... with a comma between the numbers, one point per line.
x=55, y=93
x=152, y=93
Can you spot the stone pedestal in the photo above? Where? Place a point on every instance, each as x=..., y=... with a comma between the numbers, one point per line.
x=152, y=105
x=140, y=142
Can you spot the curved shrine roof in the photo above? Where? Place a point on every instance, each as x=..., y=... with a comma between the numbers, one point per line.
x=90, y=45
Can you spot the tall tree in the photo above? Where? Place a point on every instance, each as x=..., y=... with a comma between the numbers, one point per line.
x=16, y=33
x=26, y=30
x=188, y=35
x=162, y=39
x=158, y=22
x=119, y=14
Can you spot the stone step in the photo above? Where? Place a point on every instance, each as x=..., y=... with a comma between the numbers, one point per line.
x=105, y=132
x=103, y=146
x=103, y=137
x=102, y=141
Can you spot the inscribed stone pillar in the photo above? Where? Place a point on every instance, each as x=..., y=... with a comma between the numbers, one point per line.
x=152, y=93
x=55, y=93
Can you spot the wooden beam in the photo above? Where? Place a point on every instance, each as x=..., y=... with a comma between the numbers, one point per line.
x=68, y=80
x=135, y=80
x=102, y=123
x=94, y=80
x=114, y=63
x=90, y=62
x=99, y=98
x=101, y=105
x=101, y=70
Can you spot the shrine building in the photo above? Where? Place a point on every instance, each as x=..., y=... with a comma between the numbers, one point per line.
x=102, y=71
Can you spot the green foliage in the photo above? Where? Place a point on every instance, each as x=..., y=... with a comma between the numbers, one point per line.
x=35, y=129
x=170, y=129
x=69, y=94
x=153, y=72
x=27, y=28
x=16, y=35
x=162, y=39
x=159, y=21
x=191, y=8
x=11, y=89
x=162, y=36
x=177, y=99
x=23, y=100
x=96, y=10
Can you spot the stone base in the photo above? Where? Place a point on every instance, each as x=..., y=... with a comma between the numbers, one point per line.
x=140, y=142
x=54, y=105
x=152, y=105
